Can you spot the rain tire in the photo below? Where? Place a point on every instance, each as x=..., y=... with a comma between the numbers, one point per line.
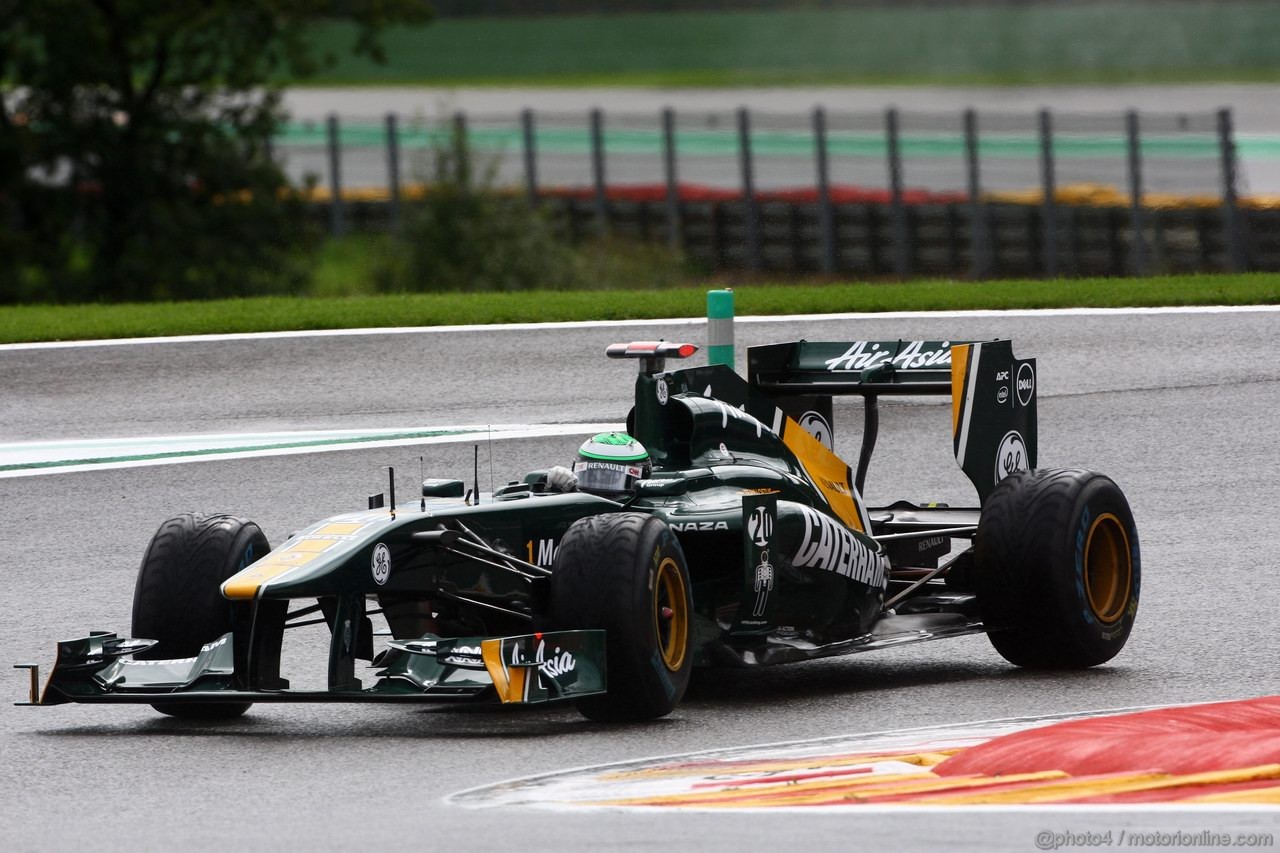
x=625, y=573
x=1057, y=569
x=178, y=599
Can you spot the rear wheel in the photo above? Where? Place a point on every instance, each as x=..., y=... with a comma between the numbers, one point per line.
x=625, y=573
x=178, y=598
x=1057, y=568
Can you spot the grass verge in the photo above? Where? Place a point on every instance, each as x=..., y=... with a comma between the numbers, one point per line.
x=86, y=322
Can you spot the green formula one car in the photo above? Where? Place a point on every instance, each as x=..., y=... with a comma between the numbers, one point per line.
x=746, y=543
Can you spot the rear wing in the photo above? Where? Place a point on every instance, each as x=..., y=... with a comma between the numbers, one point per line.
x=993, y=394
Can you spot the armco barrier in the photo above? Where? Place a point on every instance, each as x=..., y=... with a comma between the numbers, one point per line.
x=1093, y=230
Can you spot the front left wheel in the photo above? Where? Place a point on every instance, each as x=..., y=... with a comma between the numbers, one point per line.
x=178, y=598
x=625, y=573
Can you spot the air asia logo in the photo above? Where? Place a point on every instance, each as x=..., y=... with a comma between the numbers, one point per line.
x=760, y=526
x=558, y=664
x=816, y=425
x=380, y=564
x=1011, y=455
x=764, y=584
x=683, y=526
x=829, y=546
x=863, y=355
x=662, y=392
x=1026, y=383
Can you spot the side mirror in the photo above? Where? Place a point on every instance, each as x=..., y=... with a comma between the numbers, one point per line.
x=442, y=488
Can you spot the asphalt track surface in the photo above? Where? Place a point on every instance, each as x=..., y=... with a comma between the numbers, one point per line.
x=1179, y=408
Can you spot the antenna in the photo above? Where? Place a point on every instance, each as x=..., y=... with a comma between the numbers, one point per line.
x=490, y=449
x=422, y=475
x=476, y=448
x=391, y=473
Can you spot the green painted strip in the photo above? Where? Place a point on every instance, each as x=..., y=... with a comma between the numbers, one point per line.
x=201, y=452
x=770, y=143
x=720, y=355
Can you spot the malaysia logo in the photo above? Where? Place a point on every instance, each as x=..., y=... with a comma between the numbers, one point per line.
x=380, y=564
x=760, y=527
x=1011, y=455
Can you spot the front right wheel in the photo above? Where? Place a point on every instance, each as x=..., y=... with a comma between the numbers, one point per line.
x=625, y=573
x=1057, y=568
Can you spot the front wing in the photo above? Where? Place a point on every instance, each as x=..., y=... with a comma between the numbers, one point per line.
x=526, y=669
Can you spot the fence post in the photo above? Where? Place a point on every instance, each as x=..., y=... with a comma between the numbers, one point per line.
x=1049, y=209
x=393, y=169
x=979, y=239
x=673, y=183
x=461, y=152
x=748, y=189
x=720, y=327
x=826, y=215
x=597, y=171
x=530, y=156
x=901, y=236
x=337, y=222
x=1232, y=238
x=1138, y=247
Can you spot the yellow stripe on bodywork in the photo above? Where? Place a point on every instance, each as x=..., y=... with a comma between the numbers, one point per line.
x=339, y=528
x=246, y=584
x=828, y=472
x=510, y=682
x=959, y=366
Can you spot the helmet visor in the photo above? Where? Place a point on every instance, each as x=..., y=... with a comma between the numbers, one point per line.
x=611, y=477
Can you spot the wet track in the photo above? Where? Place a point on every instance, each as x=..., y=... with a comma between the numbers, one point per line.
x=1179, y=408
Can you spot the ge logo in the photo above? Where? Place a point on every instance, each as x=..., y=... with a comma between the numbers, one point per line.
x=760, y=526
x=380, y=564
x=816, y=425
x=1011, y=455
x=662, y=392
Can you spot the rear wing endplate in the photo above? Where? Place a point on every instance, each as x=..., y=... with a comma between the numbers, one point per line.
x=993, y=394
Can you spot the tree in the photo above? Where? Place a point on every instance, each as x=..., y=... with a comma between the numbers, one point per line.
x=135, y=142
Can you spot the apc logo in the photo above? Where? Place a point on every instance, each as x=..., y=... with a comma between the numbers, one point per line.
x=1011, y=455
x=1026, y=384
x=760, y=527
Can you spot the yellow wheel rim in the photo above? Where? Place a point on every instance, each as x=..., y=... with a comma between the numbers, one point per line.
x=670, y=614
x=1108, y=568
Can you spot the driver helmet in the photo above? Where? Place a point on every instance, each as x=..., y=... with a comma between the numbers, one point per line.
x=610, y=464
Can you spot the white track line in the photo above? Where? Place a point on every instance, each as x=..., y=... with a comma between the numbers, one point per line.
x=673, y=321
x=210, y=448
